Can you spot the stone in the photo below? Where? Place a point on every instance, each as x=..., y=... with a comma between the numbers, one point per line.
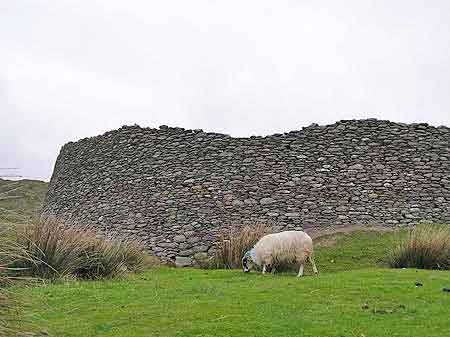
x=250, y=201
x=266, y=201
x=237, y=203
x=200, y=248
x=167, y=245
x=193, y=239
x=200, y=256
x=183, y=261
x=188, y=228
x=179, y=238
x=187, y=252
x=356, y=167
x=184, y=245
x=202, y=260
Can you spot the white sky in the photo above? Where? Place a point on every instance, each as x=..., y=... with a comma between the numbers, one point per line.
x=72, y=69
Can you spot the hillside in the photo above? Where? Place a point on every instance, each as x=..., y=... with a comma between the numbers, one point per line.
x=20, y=200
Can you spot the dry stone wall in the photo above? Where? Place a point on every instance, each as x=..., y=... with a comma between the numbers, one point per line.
x=177, y=189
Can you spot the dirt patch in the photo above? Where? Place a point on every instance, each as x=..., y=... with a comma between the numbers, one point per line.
x=316, y=233
x=326, y=241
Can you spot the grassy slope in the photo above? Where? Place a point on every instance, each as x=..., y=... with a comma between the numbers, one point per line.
x=30, y=195
x=173, y=302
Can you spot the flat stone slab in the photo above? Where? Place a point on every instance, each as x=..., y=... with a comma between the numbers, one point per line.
x=183, y=261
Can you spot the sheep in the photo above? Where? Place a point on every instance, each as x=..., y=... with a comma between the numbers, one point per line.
x=289, y=247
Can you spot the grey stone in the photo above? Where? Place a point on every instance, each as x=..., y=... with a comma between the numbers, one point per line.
x=167, y=245
x=179, y=238
x=187, y=252
x=200, y=256
x=183, y=261
x=356, y=167
x=266, y=201
x=193, y=239
x=184, y=245
x=200, y=248
x=237, y=203
x=250, y=201
x=342, y=208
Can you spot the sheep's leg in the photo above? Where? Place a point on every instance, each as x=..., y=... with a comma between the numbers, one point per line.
x=300, y=271
x=268, y=263
x=311, y=259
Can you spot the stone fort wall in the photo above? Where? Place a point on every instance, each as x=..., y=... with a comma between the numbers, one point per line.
x=177, y=189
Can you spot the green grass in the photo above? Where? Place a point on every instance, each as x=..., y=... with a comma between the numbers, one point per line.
x=355, y=250
x=351, y=297
x=169, y=302
x=21, y=200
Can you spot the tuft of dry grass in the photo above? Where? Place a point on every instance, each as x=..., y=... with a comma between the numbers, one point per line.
x=424, y=247
x=52, y=250
x=110, y=258
x=59, y=250
x=236, y=242
x=10, y=252
x=63, y=251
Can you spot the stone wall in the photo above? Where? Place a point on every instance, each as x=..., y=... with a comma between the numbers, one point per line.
x=176, y=189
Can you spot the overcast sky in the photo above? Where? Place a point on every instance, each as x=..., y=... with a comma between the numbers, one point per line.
x=72, y=69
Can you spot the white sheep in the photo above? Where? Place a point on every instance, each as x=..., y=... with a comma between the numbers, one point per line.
x=289, y=247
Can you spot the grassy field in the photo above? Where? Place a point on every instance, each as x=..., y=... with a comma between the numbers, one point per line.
x=20, y=200
x=353, y=296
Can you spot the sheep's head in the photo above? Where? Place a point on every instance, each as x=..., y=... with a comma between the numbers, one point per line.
x=245, y=264
x=248, y=261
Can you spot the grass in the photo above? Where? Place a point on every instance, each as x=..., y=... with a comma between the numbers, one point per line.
x=170, y=302
x=354, y=250
x=353, y=296
x=424, y=247
x=53, y=251
x=10, y=251
x=235, y=243
x=62, y=251
x=20, y=200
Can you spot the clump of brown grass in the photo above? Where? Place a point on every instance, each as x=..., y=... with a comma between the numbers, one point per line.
x=61, y=251
x=10, y=251
x=236, y=242
x=8, y=325
x=53, y=250
x=424, y=247
x=109, y=259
